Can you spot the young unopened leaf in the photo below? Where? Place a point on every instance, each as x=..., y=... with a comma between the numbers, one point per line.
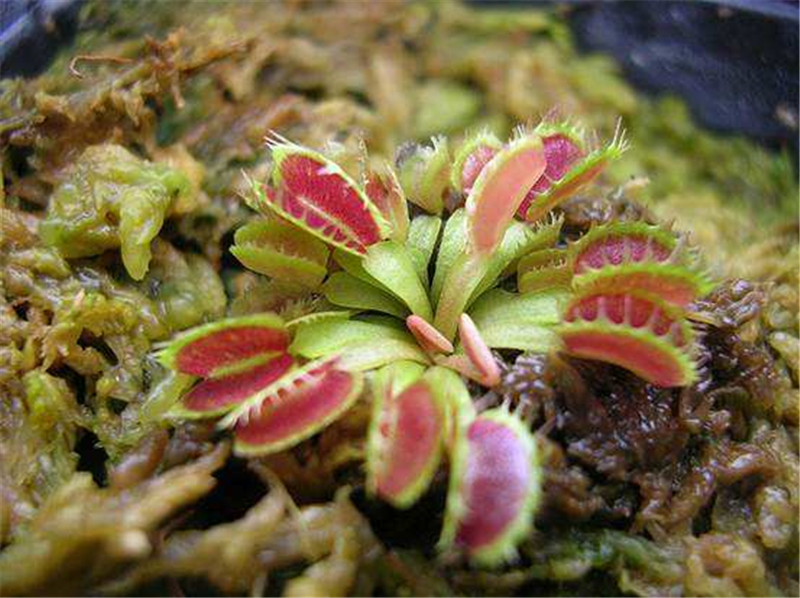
x=424, y=173
x=427, y=336
x=478, y=352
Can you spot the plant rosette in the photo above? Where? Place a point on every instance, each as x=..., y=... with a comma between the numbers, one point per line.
x=406, y=309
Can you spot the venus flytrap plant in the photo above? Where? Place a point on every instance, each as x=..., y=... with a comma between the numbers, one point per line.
x=564, y=145
x=500, y=188
x=411, y=308
x=214, y=396
x=636, y=255
x=236, y=359
x=224, y=347
x=635, y=330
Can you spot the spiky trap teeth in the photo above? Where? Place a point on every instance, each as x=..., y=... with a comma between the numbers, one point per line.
x=631, y=282
x=414, y=306
x=300, y=405
x=575, y=165
x=637, y=255
x=672, y=283
x=636, y=331
x=619, y=243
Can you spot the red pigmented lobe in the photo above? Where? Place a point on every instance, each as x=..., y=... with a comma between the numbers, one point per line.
x=674, y=289
x=411, y=428
x=645, y=360
x=378, y=193
x=327, y=202
x=616, y=249
x=625, y=309
x=296, y=409
x=648, y=360
x=504, y=190
x=229, y=346
x=496, y=482
x=216, y=393
x=561, y=154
